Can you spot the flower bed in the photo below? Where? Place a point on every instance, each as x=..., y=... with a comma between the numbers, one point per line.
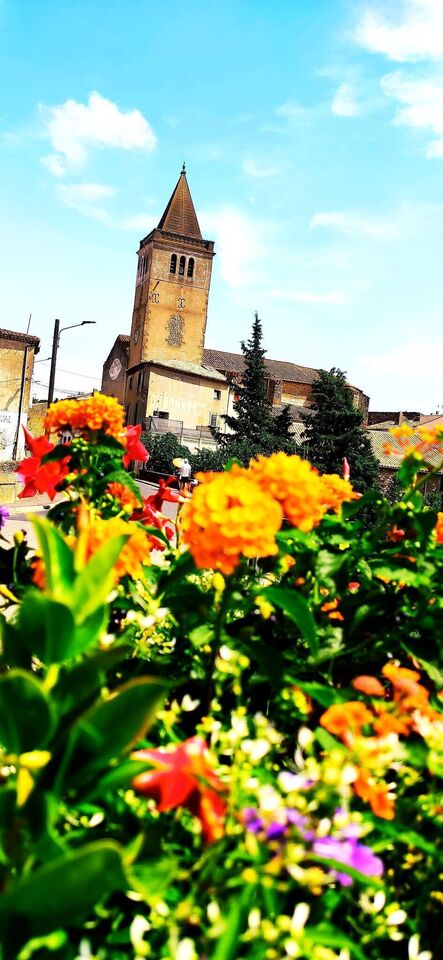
x=224, y=740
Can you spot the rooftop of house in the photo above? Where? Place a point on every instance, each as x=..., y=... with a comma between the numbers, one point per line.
x=232, y=363
x=204, y=370
x=382, y=437
x=26, y=338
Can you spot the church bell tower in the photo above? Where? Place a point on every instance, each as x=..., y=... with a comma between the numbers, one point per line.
x=172, y=286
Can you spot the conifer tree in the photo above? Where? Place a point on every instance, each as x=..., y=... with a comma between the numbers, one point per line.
x=335, y=431
x=252, y=423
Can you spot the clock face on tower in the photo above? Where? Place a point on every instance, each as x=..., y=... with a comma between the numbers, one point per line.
x=136, y=334
x=115, y=368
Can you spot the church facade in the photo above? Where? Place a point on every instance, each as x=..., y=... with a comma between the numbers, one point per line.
x=171, y=381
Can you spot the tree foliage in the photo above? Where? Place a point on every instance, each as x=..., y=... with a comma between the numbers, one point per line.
x=253, y=428
x=335, y=431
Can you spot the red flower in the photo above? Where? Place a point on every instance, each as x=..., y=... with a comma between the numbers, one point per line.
x=134, y=447
x=183, y=778
x=38, y=477
x=346, y=469
x=37, y=445
x=164, y=492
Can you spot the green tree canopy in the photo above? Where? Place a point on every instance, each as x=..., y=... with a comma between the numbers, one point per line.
x=335, y=431
x=252, y=428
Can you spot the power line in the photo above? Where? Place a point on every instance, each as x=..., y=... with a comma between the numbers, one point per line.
x=74, y=373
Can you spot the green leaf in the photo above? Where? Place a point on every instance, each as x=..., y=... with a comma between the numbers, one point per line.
x=79, y=682
x=46, y=627
x=353, y=507
x=95, y=582
x=227, y=947
x=58, y=557
x=326, y=696
x=296, y=608
x=26, y=714
x=111, y=727
x=122, y=476
x=59, y=893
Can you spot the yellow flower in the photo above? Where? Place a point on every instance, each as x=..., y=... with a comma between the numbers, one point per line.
x=89, y=413
x=229, y=517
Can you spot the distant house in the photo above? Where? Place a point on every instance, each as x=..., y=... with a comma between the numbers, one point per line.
x=17, y=352
x=382, y=440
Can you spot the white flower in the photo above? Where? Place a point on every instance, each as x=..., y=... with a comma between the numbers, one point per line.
x=186, y=950
x=396, y=918
x=299, y=917
x=414, y=947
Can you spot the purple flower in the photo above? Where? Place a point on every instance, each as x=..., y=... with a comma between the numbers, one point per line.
x=352, y=853
x=252, y=821
x=275, y=831
x=4, y=514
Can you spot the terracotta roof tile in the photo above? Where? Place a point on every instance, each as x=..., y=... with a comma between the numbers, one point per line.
x=232, y=363
x=21, y=337
x=379, y=437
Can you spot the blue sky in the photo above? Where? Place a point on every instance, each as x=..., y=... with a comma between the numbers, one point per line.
x=312, y=132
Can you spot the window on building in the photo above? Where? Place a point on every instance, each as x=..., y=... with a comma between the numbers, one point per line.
x=181, y=268
x=136, y=410
x=141, y=381
x=191, y=267
x=213, y=420
x=127, y=414
x=163, y=414
x=217, y=394
x=130, y=383
x=173, y=263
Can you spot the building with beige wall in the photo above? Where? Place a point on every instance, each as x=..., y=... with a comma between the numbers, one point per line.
x=17, y=352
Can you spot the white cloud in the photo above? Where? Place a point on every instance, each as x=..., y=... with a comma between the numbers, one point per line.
x=294, y=296
x=357, y=225
x=416, y=35
x=75, y=128
x=423, y=105
x=240, y=243
x=416, y=360
x=84, y=197
x=291, y=110
x=344, y=102
x=254, y=169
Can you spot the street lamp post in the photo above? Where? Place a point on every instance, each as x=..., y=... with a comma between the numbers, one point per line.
x=55, y=345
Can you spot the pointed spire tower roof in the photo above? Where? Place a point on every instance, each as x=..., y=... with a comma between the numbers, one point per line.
x=180, y=216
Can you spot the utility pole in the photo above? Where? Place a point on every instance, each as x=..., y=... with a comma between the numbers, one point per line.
x=55, y=342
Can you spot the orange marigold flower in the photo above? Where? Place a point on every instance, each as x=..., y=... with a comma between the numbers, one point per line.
x=336, y=491
x=294, y=484
x=136, y=551
x=126, y=498
x=394, y=673
x=387, y=722
x=95, y=532
x=376, y=793
x=345, y=718
x=89, y=413
x=369, y=685
x=229, y=517
x=439, y=528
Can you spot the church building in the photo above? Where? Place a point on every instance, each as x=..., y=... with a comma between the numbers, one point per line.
x=164, y=374
x=167, y=378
